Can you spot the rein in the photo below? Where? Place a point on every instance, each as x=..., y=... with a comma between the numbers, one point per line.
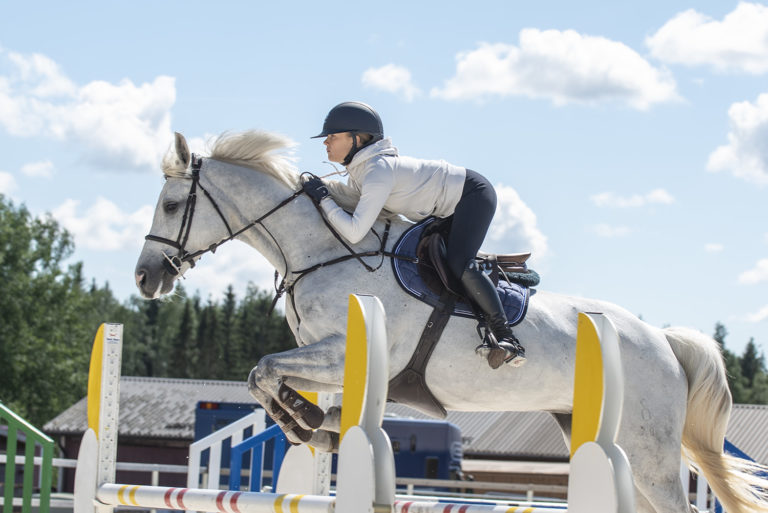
x=173, y=263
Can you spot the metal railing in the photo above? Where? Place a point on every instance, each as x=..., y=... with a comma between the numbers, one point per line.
x=33, y=438
x=213, y=443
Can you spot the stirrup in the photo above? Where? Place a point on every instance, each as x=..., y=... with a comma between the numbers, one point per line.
x=516, y=351
x=498, y=353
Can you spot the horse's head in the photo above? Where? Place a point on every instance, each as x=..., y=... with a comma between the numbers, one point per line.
x=186, y=224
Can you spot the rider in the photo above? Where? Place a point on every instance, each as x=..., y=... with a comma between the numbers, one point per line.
x=415, y=188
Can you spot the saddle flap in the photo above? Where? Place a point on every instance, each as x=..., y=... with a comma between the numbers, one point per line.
x=431, y=252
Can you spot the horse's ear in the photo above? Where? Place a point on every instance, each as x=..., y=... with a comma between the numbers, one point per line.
x=182, y=150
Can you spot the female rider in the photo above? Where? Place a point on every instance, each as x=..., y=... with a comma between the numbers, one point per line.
x=415, y=188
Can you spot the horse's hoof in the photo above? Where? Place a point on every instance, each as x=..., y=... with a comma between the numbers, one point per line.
x=325, y=441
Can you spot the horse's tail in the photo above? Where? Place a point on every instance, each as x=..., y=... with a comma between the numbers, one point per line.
x=736, y=482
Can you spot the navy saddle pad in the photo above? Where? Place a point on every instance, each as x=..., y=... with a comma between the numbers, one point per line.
x=514, y=297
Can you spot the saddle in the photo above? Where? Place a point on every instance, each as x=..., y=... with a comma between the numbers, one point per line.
x=433, y=267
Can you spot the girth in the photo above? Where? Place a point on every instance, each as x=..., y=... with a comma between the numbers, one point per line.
x=410, y=386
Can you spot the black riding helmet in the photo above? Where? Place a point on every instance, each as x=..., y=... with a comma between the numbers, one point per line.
x=354, y=117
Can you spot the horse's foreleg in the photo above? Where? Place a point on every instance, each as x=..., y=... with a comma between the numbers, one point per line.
x=318, y=366
x=293, y=432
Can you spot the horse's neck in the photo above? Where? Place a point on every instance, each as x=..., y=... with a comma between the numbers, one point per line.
x=293, y=236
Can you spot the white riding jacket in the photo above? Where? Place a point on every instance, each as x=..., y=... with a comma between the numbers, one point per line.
x=414, y=188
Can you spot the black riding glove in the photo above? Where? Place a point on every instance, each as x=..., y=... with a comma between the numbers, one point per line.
x=315, y=189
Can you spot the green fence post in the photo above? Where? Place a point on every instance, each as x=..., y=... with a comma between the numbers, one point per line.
x=10, y=468
x=33, y=436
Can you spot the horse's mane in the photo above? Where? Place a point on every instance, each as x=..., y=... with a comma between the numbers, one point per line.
x=258, y=150
x=264, y=152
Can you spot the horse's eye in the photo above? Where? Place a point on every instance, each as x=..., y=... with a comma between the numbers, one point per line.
x=171, y=206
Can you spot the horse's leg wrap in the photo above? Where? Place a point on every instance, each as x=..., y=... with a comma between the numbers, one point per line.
x=299, y=408
x=289, y=425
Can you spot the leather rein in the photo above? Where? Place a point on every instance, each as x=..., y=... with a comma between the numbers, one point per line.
x=173, y=263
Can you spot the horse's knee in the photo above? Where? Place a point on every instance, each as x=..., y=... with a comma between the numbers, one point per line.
x=263, y=375
x=253, y=387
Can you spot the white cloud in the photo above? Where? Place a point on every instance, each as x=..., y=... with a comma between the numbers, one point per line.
x=113, y=125
x=757, y=274
x=562, y=66
x=713, y=247
x=43, y=74
x=514, y=228
x=759, y=316
x=608, y=231
x=610, y=199
x=41, y=169
x=7, y=183
x=104, y=226
x=746, y=154
x=738, y=42
x=392, y=79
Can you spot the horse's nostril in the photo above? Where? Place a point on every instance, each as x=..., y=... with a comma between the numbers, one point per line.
x=141, y=277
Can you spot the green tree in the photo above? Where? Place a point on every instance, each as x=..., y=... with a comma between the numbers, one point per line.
x=751, y=364
x=182, y=355
x=44, y=314
x=228, y=350
x=208, y=364
x=720, y=334
x=732, y=366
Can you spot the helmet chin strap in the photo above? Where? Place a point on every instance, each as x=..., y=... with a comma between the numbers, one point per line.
x=352, y=152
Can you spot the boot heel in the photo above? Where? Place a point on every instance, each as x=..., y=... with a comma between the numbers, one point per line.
x=496, y=357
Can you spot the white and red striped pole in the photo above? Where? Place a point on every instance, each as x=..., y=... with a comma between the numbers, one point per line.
x=222, y=501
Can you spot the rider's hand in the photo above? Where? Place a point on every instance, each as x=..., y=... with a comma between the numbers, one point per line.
x=315, y=189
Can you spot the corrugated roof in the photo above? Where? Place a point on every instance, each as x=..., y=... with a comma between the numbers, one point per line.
x=165, y=408
x=748, y=430
x=531, y=435
x=155, y=407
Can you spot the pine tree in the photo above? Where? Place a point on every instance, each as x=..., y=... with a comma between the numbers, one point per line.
x=751, y=363
x=732, y=366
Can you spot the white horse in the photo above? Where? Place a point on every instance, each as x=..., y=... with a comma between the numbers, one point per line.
x=676, y=394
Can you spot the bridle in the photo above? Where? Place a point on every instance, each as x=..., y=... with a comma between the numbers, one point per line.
x=173, y=263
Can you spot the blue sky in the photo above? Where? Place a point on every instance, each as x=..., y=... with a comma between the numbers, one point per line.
x=628, y=141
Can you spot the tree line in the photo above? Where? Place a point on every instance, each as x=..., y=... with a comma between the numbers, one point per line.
x=747, y=375
x=49, y=313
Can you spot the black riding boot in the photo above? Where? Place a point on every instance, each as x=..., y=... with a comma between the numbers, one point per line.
x=480, y=289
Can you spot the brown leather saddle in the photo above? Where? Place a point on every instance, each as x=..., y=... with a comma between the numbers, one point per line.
x=433, y=267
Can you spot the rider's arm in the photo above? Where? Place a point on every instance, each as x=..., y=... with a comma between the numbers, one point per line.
x=376, y=187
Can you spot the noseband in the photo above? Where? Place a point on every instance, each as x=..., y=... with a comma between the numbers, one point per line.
x=173, y=263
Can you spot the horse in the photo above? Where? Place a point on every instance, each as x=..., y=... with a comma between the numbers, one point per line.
x=677, y=401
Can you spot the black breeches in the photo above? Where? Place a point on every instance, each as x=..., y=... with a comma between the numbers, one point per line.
x=471, y=220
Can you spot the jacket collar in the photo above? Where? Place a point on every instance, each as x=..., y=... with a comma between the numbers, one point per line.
x=383, y=147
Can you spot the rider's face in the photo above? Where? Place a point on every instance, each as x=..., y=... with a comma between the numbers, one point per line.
x=338, y=146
